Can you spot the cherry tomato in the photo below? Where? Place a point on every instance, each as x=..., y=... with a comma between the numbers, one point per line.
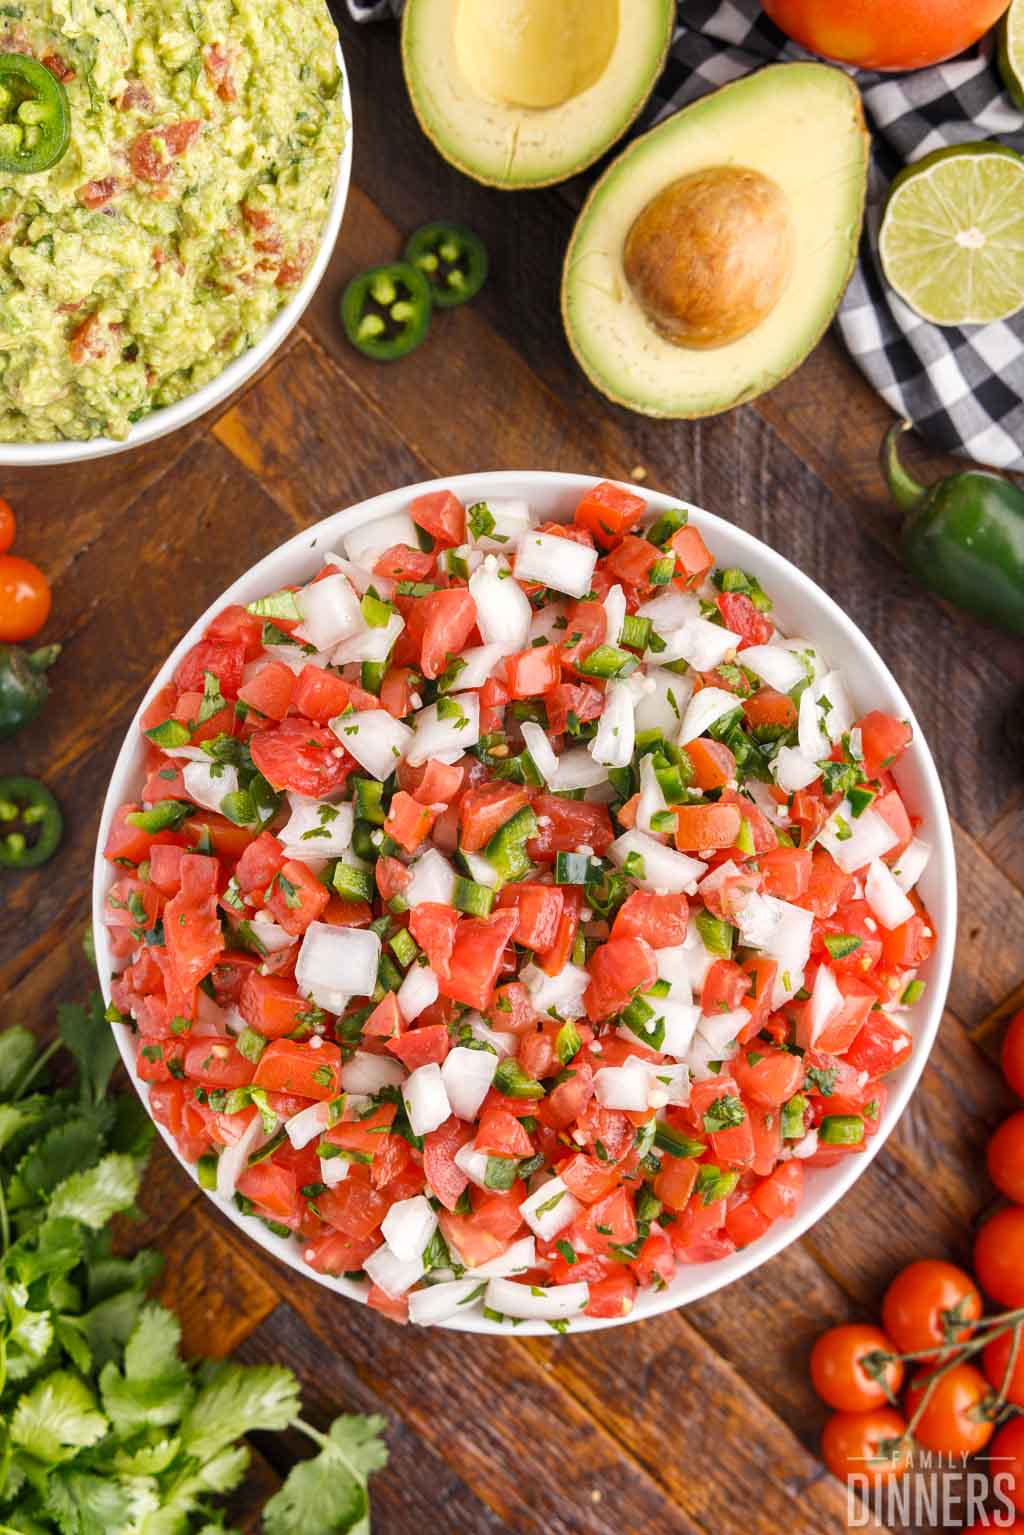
x=1013, y=1054
x=838, y=1374
x=1006, y=1158
x=24, y=598
x=999, y=1256
x=953, y=1421
x=994, y=1361
x=885, y=34
x=7, y=526
x=926, y=1303
x=866, y=1444
x=1007, y=1457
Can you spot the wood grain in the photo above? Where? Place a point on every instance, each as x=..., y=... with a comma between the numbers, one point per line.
x=698, y=1423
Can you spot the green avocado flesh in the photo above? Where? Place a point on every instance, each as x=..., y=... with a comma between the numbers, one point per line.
x=524, y=93
x=799, y=125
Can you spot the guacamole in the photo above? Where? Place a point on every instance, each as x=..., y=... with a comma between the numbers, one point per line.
x=205, y=137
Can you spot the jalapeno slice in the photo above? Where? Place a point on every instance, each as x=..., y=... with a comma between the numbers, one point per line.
x=386, y=311
x=35, y=116
x=453, y=260
x=30, y=823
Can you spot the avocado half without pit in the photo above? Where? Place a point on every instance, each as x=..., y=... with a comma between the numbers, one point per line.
x=524, y=93
x=712, y=255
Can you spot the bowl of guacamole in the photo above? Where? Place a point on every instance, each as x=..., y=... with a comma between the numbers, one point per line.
x=201, y=152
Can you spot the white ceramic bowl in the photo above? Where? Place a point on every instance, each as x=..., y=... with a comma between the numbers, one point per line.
x=38, y=455
x=801, y=608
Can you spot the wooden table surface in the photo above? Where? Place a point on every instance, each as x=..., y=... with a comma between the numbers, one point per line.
x=703, y=1420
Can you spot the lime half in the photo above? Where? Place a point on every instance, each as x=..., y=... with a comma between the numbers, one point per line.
x=952, y=238
x=1011, y=52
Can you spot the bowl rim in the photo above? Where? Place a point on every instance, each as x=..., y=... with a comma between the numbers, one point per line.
x=169, y=418
x=706, y=1278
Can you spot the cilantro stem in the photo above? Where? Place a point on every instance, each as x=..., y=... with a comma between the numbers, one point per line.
x=5, y=1221
x=1011, y=1365
x=36, y=1067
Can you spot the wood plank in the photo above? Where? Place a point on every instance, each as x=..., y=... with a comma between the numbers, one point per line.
x=243, y=1510
x=219, y=1294
x=1004, y=842
x=167, y=1192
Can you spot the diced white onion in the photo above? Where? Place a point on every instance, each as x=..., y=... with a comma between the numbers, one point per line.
x=681, y=1019
x=885, y=897
x=856, y=842
x=368, y=1073
x=670, y=611
x=334, y=1170
x=317, y=829
x=758, y=920
x=426, y=1101
x=664, y=868
x=701, y=643
x=794, y=769
x=616, y=730
x=438, y=1303
x=481, y=662
x=540, y=749
x=393, y=1275
x=522, y=1255
x=503, y=612
x=418, y=991
x=776, y=666
x=233, y=1160
x=298, y=657
x=623, y=1087
x=561, y=993
x=473, y=1163
x=308, y=1124
x=330, y=612
x=511, y=520
x=434, y=736
x=336, y=964
x=370, y=644
x=271, y=935
x=374, y=738
x=663, y=707
x=704, y=708
x=364, y=544
x=433, y=879
x=408, y=1227
x=704, y=1057
x=722, y=1029
x=789, y=945
x=652, y=800
x=499, y=1040
x=766, y=802
x=360, y=577
x=559, y=563
x=536, y=1302
x=206, y=783
x=467, y=1076
x=838, y=719
x=481, y=870
x=578, y=770
x=549, y=1209
x=826, y=1003
x=615, y=614
x=549, y=622
x=806, y=1146
x=669, y=1084
x=911, y=864
x=811, y=733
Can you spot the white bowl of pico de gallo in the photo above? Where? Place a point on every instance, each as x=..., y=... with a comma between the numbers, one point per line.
x=524, y=902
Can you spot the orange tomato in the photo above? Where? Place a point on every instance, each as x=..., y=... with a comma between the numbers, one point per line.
x=7, y=526
x=927, y=1304
x=952, y=1422
x=866, y=1444
x=1006, y=1158
x=24, y=598
x=838, y=1373
x=885, y=34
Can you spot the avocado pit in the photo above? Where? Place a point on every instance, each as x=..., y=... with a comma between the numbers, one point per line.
x=710, y=256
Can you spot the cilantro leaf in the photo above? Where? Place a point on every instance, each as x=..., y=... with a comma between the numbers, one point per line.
x=68, y=1148
x=235, y=1400
x=327, y=1495
x=17, y=1047
x=95, y=1196
x=58, y=1417
x=85, y=1504
x=154, y=1389
x=87, y=1034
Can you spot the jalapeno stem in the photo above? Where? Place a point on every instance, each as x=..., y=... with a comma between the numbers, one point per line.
x=907, y=492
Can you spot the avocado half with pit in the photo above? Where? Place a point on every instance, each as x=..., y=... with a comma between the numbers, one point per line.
x=711, y=256
x=524, y=93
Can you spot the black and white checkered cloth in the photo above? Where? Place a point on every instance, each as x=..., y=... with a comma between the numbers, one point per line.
x=963, y=389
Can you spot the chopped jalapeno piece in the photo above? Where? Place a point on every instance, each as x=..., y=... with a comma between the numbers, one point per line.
x=452, y=259
x=30, y=823
x=352, y=884
x=608, y=661
x=841, y=1130
x=476, y=900
x=386, y=311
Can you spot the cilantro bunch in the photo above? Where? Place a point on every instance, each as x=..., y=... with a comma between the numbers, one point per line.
x=104, y=1429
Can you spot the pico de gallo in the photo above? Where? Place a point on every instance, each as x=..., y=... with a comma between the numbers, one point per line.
x=512, y=912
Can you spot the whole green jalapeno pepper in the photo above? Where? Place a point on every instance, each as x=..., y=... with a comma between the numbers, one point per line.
x=23, y=685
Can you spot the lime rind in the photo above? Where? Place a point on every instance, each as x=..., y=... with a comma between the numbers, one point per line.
x=952, y=237
x=1011, y=52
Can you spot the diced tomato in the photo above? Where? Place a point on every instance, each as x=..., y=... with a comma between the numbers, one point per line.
x=401, y=563
x=714, y=765
x=272, y=1188
x=216, y=1062
x=659, y=919
x=786, y=872
x=766, y=1130
x=884, y=739
x=386, y=1021
x=741, y=617
x=560, y=952
x=563, y=825
x=262, y=860
x=303, y=757
x=725, y=987
x=768, y=1076
x=759, y=829
x=477, y=958
x=234, y=626
x=579, y=699
x=587, y=1179
x=222, y=660
x=693, y=558
x=618, y=970
x=828, y=884
x=497, y=1211
x=631, y=563
x=528, y=673
x=744, y=1222
x=337, y=1253
x=396, y=691
x=493, y=698
x=128, y=844
x=779, y=1195
x=586, y=628
x=880, y=1047
x=891, y=808
x=614, y=1295
x=408, y=823
x=485, y=809
x=270, y=691
x=434, y=783
x=446, y=1180
x=320, y=695
x=192, y=932
x=673, y=1185
x=295, y=897
x=153, y=152
x=366, y=1136
x=131, y=903
x=909, y=945
x=469, y=1240
x=808, y=812
x=448, y=619
x=713, y=1102
x=391, y=876
x=433, y=926
x=165, y=782
x=442, y=515
x=769, y=710
x=704, y=827
x=354, y=1207
x=608, y=511
x=500, y=1134
x=540, y=910
x=611, y=1222
x=511, y=1011
x=311, y=1070
x=271, y=1005
x=425, y=1045
x=396, y=1308
x=165, y=868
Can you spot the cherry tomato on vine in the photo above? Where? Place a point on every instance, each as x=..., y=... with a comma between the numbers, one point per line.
x=953, y=1421
x=1013, y=1054
x=928, y=1303
x=1008, y=1449
x=994, y=1361
x=866, y=1444
x=8, y=526
x=838, y=1375
x=999, y=1256
x=24, y=598
x=1006, y=1158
